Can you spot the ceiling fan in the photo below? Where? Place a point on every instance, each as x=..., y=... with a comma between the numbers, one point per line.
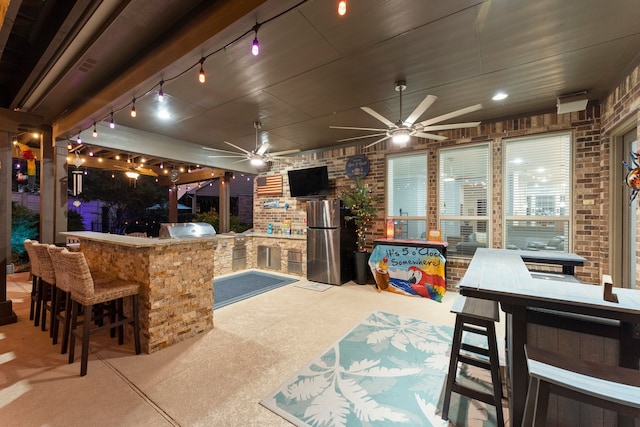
x=260, y=155
x=400, y=131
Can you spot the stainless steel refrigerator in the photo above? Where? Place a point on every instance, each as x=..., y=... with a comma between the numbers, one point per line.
x=331, y=242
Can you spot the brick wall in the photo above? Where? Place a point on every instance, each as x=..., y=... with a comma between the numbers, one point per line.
x=592, y=132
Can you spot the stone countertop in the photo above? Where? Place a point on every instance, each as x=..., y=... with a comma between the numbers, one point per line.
x=259, y=234
x=136, y=242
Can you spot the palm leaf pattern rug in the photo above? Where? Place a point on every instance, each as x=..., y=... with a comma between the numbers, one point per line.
x=388, y=370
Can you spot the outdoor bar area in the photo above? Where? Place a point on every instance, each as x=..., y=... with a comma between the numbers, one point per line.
x=311, y=213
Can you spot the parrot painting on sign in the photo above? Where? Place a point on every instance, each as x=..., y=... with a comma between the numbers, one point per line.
x=632, y=179
x=27, y=154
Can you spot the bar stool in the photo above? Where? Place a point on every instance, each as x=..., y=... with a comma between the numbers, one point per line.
x=86, y=294
x=36, y=302
x=476, y=316
x=48, y=283
x=609, y=387
x=62, y=306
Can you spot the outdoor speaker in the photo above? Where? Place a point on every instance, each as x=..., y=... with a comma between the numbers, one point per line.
x=573, y=102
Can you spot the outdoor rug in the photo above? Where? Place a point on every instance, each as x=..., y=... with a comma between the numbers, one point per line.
x=389, y=370
x=230, y=289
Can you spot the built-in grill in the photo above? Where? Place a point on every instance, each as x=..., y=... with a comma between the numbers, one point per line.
x=183, y=230
x=239, y=253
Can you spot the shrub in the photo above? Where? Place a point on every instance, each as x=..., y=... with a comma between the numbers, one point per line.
x=24, y=225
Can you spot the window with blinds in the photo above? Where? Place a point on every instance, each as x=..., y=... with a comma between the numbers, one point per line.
x=463, y=198
x=537, y=192
x=407, y=195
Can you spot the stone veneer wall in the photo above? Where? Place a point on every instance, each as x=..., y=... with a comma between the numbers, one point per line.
x=587, y=179
x=176, y=295
x=224, y=252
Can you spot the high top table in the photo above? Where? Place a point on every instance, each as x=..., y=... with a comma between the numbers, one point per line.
x=501, y=275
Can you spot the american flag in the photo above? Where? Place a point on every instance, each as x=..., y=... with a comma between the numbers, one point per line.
x=270, y=185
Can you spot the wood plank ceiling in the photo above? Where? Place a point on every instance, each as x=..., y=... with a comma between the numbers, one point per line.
x=80, y=60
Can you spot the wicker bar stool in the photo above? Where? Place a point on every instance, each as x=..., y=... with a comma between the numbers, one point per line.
x=48, y=283
x=36, y=302
x=85, y=293
x=62, y=306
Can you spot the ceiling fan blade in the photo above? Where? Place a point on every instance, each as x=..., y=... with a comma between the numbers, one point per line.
x=242, y=160
x=218, y=150
x=222, y=157
x=262, y=149
x=282, y=153
x=430, y=136
x=452, y=114
x=354, y=128
x=235, y=146
x=378, y=116
x=375, y=142
x=420, y=109
x=361, y=137
x=452, y=126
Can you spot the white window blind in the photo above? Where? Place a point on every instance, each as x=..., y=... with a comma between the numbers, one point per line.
x=407, y=185
x=407, y=194
x=537, y=191
x=464, y=197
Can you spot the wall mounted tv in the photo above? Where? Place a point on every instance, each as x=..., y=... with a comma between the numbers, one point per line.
x=310, y=182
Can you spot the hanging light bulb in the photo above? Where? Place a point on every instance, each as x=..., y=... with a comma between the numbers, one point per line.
x=342, y=7
x=90, y=152
x=201, y=76
x=133, y=108
x=112, y=124
x=79, y=140
x=69, y=146
x=95, y=130
x=255, y=47
x=160, y=92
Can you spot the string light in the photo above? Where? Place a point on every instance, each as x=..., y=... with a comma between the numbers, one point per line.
x=255, y=47
x=342, y=7
x=79, y=140
x=255, y=50
x=201, y=76
x=90, y=152
x=160, y=92
x=95, y=130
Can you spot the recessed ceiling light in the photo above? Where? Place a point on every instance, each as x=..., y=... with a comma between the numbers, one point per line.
x=500, y=96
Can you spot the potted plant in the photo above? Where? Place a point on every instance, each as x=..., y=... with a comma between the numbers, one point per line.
x=361, y=203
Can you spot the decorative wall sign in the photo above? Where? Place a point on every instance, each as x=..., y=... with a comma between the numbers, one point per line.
x=409, y=270
x=357, y=166
x=270, y=185
x=270, y=204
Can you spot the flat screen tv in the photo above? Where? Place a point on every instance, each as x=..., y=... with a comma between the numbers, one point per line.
x=310, y=182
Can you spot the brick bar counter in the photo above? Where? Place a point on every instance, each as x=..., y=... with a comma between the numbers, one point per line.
x=176, y=296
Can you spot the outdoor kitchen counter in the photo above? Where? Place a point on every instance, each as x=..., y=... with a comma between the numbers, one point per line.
x=176, y=277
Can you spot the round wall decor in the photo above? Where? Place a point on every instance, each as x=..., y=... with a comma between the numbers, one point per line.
x=357, y=166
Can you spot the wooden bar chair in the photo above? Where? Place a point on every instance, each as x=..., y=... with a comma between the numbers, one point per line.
x=85, y=294
x=475, y=316
x=610, y=387
x=36, y=302
x=48, y=283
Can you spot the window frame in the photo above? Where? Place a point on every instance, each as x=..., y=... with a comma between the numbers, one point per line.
x=389, y=214
x=570, y=204
x=487, y=145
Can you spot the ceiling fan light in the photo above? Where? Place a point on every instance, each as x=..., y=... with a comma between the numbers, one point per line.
x=256, y=161
x=132, y=174
x=400, y=137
